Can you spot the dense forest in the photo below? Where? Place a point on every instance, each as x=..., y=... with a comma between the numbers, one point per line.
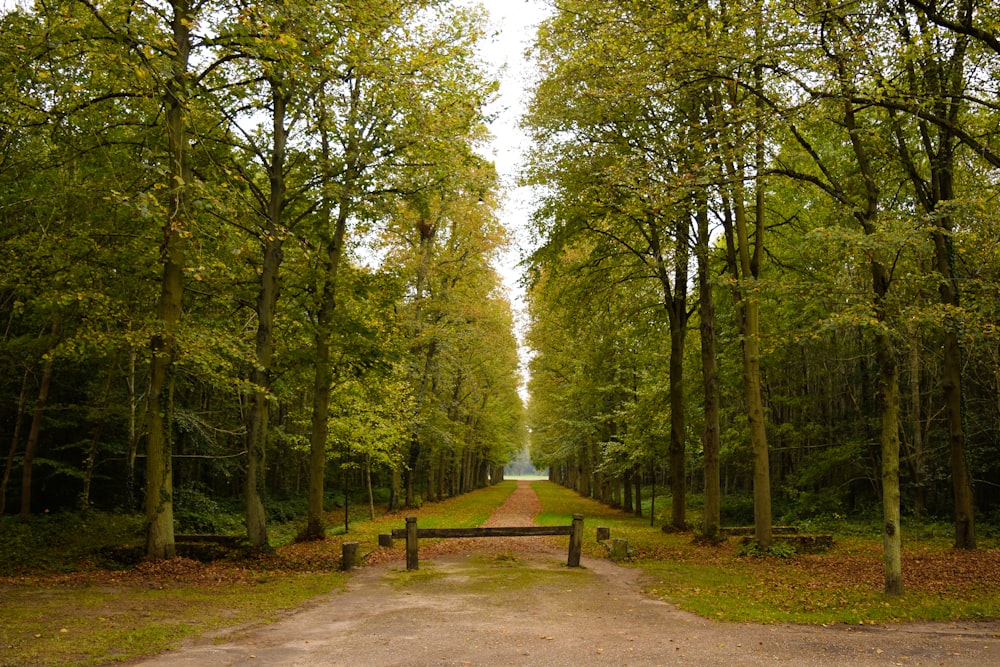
x=249, y=253
x=768, y=259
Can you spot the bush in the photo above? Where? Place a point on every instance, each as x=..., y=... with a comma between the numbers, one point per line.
x=736, y=510
x=197, y=512
x=752, y=549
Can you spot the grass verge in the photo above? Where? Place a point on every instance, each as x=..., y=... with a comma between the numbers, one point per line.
x=842, y=586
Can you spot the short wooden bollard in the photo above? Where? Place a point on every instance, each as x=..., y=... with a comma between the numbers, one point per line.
x=349, y=557
x=603, y=533
x=575, y=541
x=385, y=540
x=412, y=560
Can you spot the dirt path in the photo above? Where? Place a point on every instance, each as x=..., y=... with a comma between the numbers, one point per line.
x=490, y=607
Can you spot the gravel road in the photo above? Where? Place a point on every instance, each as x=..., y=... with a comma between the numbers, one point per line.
x=514, y=602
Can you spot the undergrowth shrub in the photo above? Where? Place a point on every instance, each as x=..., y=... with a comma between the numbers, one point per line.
x=63, y=541
x=195, y=511
x=753, y=549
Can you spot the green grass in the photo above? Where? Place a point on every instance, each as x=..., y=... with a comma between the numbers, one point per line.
x=843, y=586
x=87, y=625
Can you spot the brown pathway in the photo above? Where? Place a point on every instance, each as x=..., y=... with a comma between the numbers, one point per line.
x=477, y=609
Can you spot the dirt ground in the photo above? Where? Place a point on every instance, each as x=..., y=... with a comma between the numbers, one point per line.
x=514, y=602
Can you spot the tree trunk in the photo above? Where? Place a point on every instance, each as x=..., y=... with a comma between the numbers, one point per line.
x=940, y=79
x=917, y=455
x=675, y=301
x=31, y=448
x=323, y=366
x=267, y=302
x=22, y=403
x=395, y=490
x=322, y=379
x=627, y=480
x=711, y=437
x=88, y=468
x=965, y=526
x=637, y=485
x=892, y=532
x=159, y=448
x=133, y=432
x=368, y=487
x=892, y=552
x=743, y=268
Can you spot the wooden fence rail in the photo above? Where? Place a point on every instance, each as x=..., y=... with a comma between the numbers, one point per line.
x=412, y=534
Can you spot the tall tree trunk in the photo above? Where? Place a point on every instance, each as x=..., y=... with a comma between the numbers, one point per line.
x=322, y=379
x=892, y=552
x=917, y=456
x=31, y=447
x=743, y=269
x=22, y=403
x=368, y=487
x=637, y=485
x=892, y=531
x=159, y=449
x=395, y=490
x=675, y=301
x=420, y=375
x=940, y=79
x=627, y=480
x=711, y=436
x=965, y=526
x=133, y=431
x=323, y=366
x=743, y=259
x=267, y=302
x=95, y=439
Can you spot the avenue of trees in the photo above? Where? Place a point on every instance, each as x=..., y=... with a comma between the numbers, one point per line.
x=768, y=260
x=247, y=253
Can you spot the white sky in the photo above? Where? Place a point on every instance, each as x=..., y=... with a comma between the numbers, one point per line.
x=514, y=22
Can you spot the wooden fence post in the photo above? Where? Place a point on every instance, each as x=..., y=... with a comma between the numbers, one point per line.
x=575, y=541
x=412, y=562
x=349, y=558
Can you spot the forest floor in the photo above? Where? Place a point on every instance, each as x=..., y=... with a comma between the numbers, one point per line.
x=514, y=602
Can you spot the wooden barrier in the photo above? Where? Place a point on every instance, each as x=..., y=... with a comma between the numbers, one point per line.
x=412, y=534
